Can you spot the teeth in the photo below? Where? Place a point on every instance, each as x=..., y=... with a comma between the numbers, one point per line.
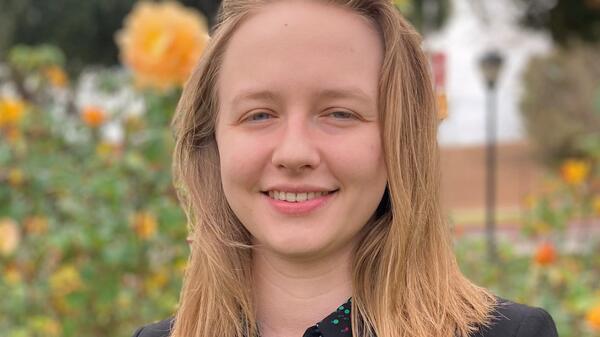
x=301, y=197
x=295, y=197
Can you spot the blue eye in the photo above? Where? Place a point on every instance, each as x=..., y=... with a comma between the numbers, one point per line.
x=258, y=116
x=343, y=115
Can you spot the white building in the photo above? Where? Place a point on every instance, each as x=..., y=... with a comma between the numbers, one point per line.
x=473, y=28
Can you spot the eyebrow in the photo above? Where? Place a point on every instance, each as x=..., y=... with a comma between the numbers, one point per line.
x=350, y=92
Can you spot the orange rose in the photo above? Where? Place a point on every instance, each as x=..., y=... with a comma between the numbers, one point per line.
x=161, y=42
x=574, y=171
x=545, y=254
x=593, y=318
x=442, y=104
x=93, y=116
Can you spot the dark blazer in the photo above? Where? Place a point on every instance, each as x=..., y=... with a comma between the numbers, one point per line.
x=512, y=320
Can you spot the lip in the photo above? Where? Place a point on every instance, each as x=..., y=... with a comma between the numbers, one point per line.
x=302, y=207
x=299, y=188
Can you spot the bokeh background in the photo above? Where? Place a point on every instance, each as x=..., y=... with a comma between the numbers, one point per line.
x=93, y=241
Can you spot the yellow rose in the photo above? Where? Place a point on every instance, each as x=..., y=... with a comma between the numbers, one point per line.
x=9, y=236
x=542, y=227
x=596, y=204
x=156, y=281
x=144, y=224
x=161, y=42
x=574, y=171
x=11, y=111
x=15, y=177
x=65, y=281
x=56, y=76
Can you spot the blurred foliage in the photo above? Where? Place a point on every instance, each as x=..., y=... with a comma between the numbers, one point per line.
x=561, y=102
x=92, y=239
x=566, y=20
x=564, y=283
x=425, y=15
x=552, y=267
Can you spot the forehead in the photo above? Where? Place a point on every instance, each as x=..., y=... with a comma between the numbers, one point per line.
x=301, y=47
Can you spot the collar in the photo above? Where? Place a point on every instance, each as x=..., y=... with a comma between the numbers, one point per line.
x=336, y=324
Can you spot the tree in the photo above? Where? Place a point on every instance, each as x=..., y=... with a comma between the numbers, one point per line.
x=566, y=20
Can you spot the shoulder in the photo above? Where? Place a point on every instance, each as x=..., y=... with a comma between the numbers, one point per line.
x=157, y=329
x=511, y=319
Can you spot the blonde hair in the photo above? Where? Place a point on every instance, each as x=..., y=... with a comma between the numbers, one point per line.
x=406, y=281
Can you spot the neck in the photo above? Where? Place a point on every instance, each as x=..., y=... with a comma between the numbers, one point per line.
x=294, y=295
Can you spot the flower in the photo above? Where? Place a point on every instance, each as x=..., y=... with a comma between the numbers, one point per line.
x=93, y=116
x=12, y=275
x=442, y=104
x=144, y=224
x=9, y=236
x=161, y=43
x=46, y=326
x=530, y=201
x=124, y=300
x=596, y=204
x=108, y=150
x=65, y=281
x=15, y=177
x=36, y=225
x=11, y=111
x=542, y=227
x=574, y=171
x=593, y=317
x=13, y=135
x=56, y=76
x=156, y=281
x=545, y=254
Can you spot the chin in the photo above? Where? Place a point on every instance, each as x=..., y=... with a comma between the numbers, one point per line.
x=295, y=247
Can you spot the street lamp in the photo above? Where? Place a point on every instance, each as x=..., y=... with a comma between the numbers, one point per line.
x=491, y=64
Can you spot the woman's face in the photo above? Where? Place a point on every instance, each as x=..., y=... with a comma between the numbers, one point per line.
x=298, y=117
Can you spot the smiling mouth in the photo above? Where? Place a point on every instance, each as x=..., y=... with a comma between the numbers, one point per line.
x=296, y=197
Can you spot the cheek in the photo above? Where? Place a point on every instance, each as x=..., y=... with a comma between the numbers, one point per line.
x=358, y=160
x=242, y=160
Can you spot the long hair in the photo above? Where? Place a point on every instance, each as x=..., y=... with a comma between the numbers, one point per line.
x=406, y=281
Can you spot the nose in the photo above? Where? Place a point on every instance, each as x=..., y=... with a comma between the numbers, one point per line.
x=296, y=149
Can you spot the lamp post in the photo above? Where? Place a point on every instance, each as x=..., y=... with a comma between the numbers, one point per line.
x=491, y=64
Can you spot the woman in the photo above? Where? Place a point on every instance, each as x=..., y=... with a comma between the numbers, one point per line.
x=307, y=161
